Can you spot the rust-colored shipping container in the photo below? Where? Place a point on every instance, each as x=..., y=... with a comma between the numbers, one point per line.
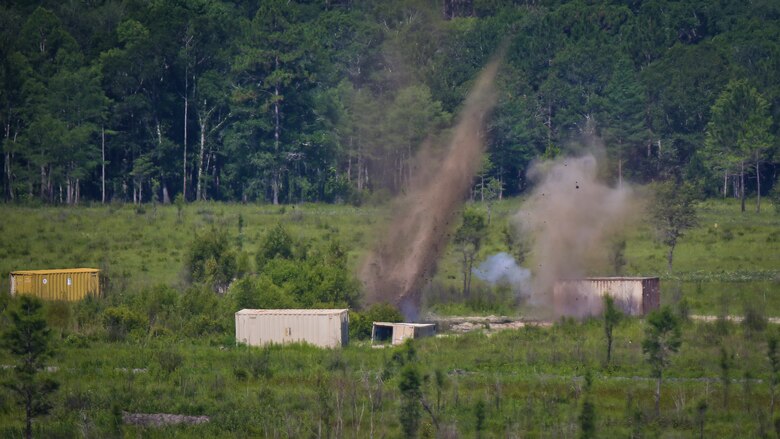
x=69, y=284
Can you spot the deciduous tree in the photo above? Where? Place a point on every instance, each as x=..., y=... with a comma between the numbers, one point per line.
x=672, y=212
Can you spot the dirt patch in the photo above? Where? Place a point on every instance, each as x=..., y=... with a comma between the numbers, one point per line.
x=161, y=419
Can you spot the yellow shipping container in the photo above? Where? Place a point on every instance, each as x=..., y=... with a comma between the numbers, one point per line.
x=65, y=284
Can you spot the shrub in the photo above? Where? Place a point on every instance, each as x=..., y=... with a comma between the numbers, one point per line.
x=277, y=243
x=211, y=260
x=754, y=321
x=260, y=292
x=169, y=361
x=360, y=324
x=120, y=320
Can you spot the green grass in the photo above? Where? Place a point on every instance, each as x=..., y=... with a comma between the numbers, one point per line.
x=530, y=379
x=728, y=253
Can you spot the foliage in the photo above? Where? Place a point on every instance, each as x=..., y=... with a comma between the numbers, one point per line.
x=662, y=339
x=361, y=323
x=612, y=317
x=212, y=260
x=29, y=342
x=739, y=132
x=277, y=243
x=468, y=239
x=672, y=212
x=290, y=102
x=410, y=410
x=587, y=416
x=120, y=321
x=754, y=321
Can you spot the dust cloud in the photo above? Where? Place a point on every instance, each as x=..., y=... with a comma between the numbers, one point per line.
x=405, y=258
x=570, y=217
x=502, y=269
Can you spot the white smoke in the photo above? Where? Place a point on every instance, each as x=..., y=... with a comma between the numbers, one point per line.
x=502, y=269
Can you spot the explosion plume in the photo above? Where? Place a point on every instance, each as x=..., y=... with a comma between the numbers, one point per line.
x=406, y=256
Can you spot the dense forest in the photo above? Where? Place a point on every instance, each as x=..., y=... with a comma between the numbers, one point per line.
x=328, y=100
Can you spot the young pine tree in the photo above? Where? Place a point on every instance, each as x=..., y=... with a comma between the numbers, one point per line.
x=612, y=316
x=662, y=338
x=588, y=413
x=28, y=340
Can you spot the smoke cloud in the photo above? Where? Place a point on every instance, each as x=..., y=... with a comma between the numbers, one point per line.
x=502, y=268
x=405, y=258
x=571, y=217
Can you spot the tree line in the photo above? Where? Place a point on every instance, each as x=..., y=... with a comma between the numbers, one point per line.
x=291, y=101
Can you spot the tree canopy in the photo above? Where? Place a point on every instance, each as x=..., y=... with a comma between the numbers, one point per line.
x=292, y=101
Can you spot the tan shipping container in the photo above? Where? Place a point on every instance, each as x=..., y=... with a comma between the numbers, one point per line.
x=62, y=284
x=396, y=333
x=327, y=328
x=634, y=296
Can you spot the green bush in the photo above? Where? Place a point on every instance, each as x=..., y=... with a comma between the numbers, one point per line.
x=169, y=361
x=211, y=260
x=277, y=243
x=120, y=320
x=360, y=324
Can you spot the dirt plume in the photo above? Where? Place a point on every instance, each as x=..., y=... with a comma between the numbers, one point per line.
x=406, y=256
x=571, y=217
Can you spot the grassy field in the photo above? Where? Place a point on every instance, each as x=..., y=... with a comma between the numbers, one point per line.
x=530, y=379
x=729, y=257
x=183, y=358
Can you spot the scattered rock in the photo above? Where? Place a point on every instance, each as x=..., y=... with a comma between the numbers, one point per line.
x=139, y=370
x=161, y=419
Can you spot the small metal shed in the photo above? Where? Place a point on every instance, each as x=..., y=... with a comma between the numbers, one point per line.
x=584, y=297
x=327, y=328
x=398, y=332
x=61, y=284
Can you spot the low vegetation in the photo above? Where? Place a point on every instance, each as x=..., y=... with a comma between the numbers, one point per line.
x=161, y=339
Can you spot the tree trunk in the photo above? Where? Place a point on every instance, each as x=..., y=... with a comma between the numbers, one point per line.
x=43, y=183
x=103, y=165
x=198, y=193
x=275, y=187
x=166, y=195
x=742, y=185
x=465, y=275
x=658, y=398
x=725, y=183
x=669, y=258
x=758, y=186
x=28, y=418
x=277, y=134
x=186, y=110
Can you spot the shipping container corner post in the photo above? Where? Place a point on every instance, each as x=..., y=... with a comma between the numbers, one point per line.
x=69, y=284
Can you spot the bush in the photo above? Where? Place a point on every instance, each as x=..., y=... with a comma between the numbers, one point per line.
x=211, y=260
x=120, y=320
x=360, y=324
x=774, y=195
x=277, y=243
x=755, y=321
x=260, y=292
x=169, y=361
